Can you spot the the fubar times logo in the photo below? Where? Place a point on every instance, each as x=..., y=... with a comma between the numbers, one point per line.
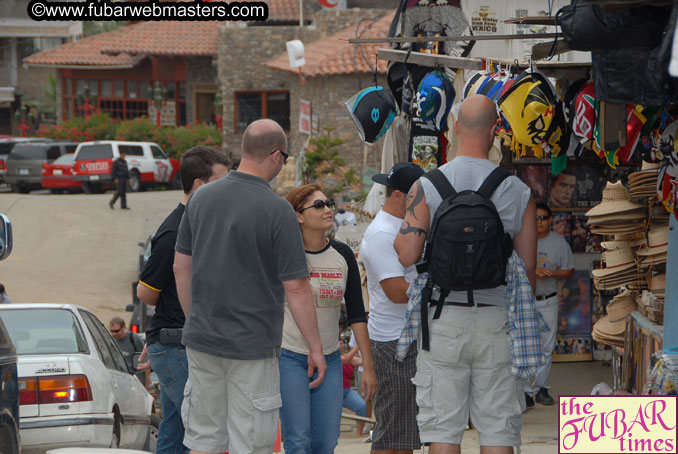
x=617, y=424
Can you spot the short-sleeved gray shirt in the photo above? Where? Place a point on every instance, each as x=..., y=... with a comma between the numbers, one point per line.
x=510, y=199
x=553, y=253
x=244, y=241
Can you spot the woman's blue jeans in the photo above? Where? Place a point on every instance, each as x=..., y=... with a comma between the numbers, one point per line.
x=310, y=418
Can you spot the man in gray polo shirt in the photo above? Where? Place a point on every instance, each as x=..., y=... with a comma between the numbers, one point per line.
x=239, y=252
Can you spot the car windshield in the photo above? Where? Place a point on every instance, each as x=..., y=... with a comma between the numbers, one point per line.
x=64, y=159
x=44, y=331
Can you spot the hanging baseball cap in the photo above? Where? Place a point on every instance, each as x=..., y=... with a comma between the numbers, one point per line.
x=435, y=98
x=401, y=177
x=373, y=110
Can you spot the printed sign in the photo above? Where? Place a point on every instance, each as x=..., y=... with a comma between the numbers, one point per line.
x=617, y=424
x=304, y=116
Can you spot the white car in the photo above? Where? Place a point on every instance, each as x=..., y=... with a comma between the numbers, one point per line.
x=75, y=387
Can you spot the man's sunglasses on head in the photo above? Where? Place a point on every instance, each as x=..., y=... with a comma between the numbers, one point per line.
x=320, y=204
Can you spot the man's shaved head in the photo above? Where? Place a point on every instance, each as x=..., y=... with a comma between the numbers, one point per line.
x=477, y=114
x=261, y=138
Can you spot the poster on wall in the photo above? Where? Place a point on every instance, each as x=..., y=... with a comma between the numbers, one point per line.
x=535, y=177
x=562, y=190
x=579, y=232
x=561, y=224
x=574, y=318
x=591, y=179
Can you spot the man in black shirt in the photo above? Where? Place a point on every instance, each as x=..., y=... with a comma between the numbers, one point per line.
x=120, y=174
x=157, y=287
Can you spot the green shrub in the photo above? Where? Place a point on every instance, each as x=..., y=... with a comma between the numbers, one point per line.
x=97, y=126
x=100, y=126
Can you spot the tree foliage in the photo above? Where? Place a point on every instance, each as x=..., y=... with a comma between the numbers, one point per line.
x=323, y=163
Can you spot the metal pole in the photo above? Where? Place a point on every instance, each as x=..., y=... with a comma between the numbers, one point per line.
x=301, y=13
x=671, y=298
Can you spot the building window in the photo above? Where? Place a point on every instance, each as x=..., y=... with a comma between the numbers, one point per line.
x=121, y=99
x=250, y=106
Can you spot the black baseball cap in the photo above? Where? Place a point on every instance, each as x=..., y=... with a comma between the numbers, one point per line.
x=401, y=176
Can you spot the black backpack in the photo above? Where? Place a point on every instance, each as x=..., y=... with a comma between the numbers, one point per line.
x=467, y=248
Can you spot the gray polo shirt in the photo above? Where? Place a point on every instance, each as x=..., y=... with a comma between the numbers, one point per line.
x=244, y=241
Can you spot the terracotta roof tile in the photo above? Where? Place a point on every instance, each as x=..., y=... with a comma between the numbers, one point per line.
x=86, y=52
x=175, y=38
x=334, y=55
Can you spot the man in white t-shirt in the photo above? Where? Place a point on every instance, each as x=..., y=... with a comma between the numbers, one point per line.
x=395, y=406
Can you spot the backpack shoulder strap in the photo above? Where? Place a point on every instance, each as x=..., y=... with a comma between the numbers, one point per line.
x=492, y=182
x=441, y=183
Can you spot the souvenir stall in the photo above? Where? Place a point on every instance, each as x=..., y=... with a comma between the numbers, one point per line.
x=593, y=139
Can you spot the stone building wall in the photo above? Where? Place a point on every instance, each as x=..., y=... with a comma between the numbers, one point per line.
x=327, y=95
x=200, y=72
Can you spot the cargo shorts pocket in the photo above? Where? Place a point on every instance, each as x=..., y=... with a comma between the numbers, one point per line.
x=424, y=384
x=265, y=419
x=446, y=343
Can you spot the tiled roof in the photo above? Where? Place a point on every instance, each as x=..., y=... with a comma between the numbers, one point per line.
x=127, y=46
x=283, y=10
x=86, y=52
x=175, y=38
x=334, y=55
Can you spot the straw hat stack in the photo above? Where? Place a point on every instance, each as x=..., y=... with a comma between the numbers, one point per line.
x=651, y=302
x=655, y=252
x=620, y=270
x=610, y=329
x=616, y=214
x=643, y=184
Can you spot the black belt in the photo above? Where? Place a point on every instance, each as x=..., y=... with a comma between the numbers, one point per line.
x=545, y=297
x=450, y=303
x=170, y=336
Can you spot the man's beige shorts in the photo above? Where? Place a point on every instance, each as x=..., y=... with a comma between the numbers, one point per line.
x=467, y=371
x=231, y=405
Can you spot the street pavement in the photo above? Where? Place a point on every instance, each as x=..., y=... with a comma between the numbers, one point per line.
x=540, y=423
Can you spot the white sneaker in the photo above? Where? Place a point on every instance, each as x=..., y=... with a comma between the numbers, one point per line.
x=369, y=438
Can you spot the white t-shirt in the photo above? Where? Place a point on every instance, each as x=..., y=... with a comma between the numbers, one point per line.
x=387, y=319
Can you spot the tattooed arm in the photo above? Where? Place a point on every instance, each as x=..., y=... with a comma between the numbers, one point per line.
x=409, y=244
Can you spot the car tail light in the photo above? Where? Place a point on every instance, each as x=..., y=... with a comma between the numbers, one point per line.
x=28, y=391
x=2, y=164
x=64, y=388
x=54, y=390
x=134, y=328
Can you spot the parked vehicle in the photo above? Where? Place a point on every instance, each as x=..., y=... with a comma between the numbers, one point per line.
x=75, y=387
x=6, y=145
x=148, y=165
x=24, y=163
x=58, y=176
x=9, y=395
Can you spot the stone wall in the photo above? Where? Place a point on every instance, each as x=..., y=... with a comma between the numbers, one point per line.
x=259, y=44
x=200, y=71
x=328, y=95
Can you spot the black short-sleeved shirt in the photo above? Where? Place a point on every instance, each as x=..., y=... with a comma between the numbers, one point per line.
x=158, y=275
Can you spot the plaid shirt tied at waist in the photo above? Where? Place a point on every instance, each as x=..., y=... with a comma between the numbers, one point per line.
x=525, y=321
